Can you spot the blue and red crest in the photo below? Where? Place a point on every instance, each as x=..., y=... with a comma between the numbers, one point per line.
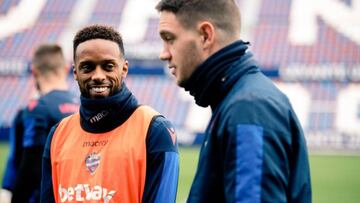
x=92, y=162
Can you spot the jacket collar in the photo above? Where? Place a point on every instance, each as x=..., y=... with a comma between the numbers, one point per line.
x=105, y=114
x=213, y=79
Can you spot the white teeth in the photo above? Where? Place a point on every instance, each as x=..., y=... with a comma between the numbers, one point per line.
x=99, y=89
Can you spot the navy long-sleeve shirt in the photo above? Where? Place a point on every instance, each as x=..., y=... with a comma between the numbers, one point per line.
x=15, y=154
x=38, y=118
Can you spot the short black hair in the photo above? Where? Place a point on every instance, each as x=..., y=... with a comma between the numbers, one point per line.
x=98, y=32
x=224, y=14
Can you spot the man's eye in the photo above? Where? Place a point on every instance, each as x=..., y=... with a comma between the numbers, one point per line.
x=85, y=67
x=109, y=66
x=169, y=39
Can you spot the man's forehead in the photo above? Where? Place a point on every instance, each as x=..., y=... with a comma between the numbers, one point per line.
x=97, y=46
x=168, y=18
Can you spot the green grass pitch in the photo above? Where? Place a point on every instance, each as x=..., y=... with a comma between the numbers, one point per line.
x=335, y=178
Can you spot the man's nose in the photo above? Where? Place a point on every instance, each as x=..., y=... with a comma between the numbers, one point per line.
x=99, y=74
x=165, y=54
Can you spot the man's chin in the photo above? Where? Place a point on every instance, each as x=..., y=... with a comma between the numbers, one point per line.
x=99, y=95
x=181, y=83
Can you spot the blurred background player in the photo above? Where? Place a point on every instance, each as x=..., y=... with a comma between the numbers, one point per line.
x=254, y=148
x=55, y=102
x=114, y=149
x=14, y=158
x=16, y=152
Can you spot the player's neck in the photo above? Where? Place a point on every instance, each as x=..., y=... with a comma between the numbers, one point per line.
x=47, y=86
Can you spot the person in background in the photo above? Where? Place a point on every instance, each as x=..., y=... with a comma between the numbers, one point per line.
x=113, y=149
x=15, y=153
x=14, y=158
x=50, y=73
x=254, y=148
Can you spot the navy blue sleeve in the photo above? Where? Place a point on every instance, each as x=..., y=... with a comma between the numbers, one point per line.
x=13, y=162
x=246, y=162
x=36, y=125
x=258, y=156
x=162, y=169
x=27, y=183
x=46, y=191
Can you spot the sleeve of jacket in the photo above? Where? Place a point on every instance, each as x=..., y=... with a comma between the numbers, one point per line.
x=46, y=191
x=36, y=125
x=257, y=153
x=13, y=162
x=162, y=162
x=28, y=179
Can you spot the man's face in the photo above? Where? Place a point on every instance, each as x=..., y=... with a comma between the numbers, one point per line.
x=181, y=47
x=99, y=68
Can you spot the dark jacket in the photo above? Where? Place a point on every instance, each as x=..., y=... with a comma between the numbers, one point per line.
x=15, y=154
x=254, y=148
x=37, y=119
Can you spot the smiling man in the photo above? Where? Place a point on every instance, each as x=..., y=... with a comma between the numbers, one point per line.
x=113, y=150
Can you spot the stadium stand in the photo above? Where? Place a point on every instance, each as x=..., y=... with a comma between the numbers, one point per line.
x=322, y=65
x=107, y=11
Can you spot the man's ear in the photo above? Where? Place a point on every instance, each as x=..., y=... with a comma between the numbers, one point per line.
x=125, y=69
x=74, y=72
x=34, y=71
x=207, y=33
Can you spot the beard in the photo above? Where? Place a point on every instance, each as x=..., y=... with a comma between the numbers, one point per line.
x=191, y=60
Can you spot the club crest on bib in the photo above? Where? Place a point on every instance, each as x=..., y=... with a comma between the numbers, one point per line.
x=92, y=162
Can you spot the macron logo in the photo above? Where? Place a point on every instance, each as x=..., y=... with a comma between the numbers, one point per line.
x=84, y=192
x=98, y=116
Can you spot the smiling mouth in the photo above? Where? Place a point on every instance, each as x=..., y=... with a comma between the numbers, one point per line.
x=99, y=89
